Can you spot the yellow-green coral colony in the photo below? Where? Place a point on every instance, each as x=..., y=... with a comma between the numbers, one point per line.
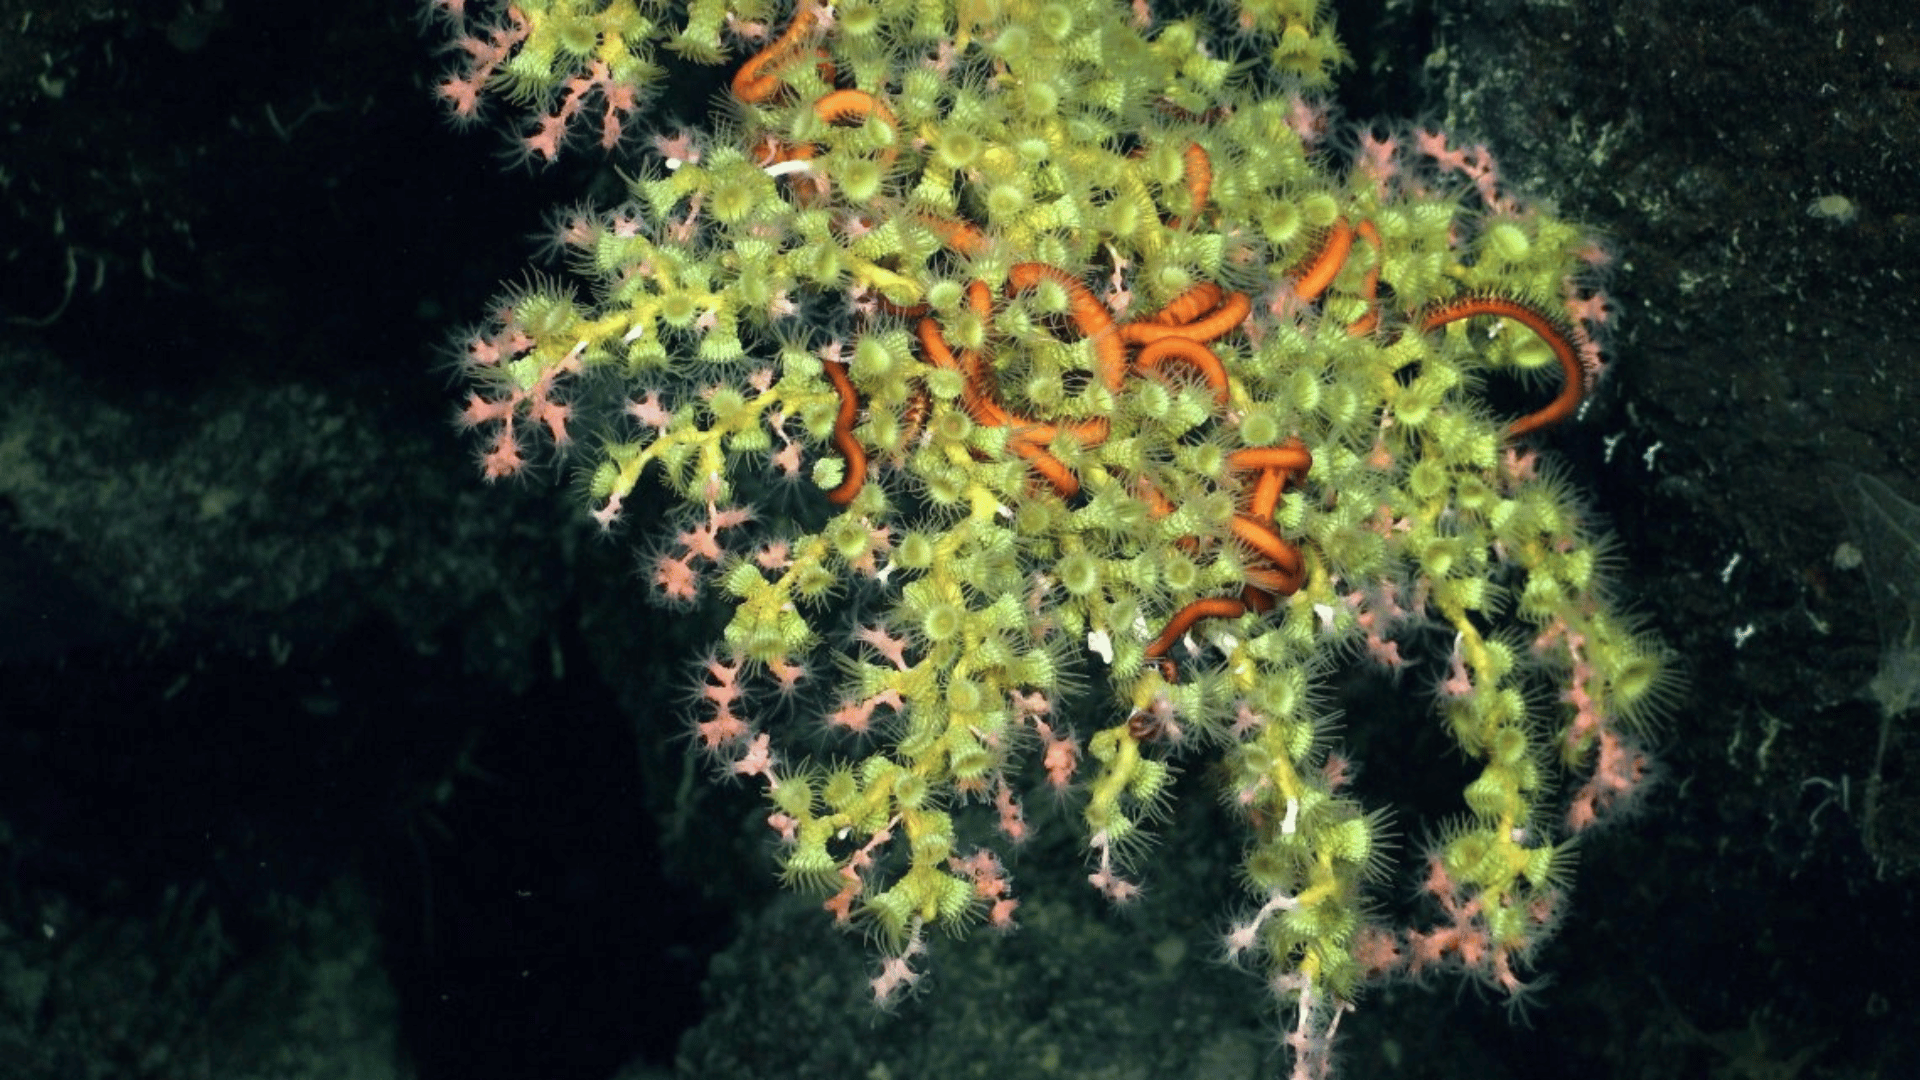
x=1034, y=180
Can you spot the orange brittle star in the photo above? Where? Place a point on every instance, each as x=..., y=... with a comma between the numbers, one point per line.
x=1176, y=335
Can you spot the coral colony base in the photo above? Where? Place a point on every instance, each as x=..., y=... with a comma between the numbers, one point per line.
x=1096, y=358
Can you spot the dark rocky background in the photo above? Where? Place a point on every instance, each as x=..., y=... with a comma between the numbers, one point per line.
x=320, y=758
